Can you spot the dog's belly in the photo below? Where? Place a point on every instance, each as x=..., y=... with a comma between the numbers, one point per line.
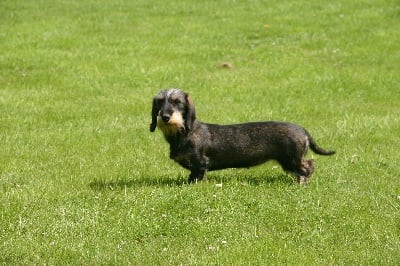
x=234, y=165
x=236, y=161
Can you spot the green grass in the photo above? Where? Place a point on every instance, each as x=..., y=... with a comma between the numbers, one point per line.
x=84, y=182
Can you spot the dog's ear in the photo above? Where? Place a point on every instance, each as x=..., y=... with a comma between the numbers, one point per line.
x=154, y=114
x=190, y=113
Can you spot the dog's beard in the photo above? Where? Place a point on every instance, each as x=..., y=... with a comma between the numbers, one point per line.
x=173, y=126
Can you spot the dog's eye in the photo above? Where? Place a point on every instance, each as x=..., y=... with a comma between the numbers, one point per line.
x=176, y=101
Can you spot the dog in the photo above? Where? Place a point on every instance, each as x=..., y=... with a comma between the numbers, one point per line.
x=201, y=147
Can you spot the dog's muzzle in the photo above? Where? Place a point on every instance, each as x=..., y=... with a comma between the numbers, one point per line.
x=165, y=118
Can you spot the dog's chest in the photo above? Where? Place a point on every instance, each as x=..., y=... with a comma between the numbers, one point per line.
x=183, y=160
x=182, y=154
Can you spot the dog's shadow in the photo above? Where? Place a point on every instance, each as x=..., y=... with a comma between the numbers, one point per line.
x=163, y=181
x=168, y=181
x=255, y=179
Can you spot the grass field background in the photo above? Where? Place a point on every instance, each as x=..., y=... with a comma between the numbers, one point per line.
x=83, y=181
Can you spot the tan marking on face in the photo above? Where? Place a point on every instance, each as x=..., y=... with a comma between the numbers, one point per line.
x=173, y=126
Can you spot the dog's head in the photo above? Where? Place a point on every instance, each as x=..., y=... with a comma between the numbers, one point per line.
x=173, y=111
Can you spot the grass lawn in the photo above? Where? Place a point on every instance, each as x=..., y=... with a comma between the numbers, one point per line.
x=83, y=181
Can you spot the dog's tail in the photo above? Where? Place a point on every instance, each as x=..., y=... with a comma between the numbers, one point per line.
x=318, y=150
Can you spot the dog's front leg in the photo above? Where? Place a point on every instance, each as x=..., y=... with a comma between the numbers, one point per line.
x=198, y=170
x=197, y=175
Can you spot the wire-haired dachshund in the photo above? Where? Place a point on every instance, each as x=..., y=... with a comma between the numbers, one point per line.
x=201, y=147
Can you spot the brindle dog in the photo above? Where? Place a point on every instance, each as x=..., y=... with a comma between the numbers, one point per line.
x=201, y=147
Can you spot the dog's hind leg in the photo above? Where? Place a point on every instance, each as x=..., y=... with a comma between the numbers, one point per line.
x=301, y=168
x=307, y=169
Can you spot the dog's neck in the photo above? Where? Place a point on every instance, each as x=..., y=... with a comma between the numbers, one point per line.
x=180, y=137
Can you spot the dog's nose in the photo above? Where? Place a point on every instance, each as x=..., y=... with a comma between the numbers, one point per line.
x=165, y=118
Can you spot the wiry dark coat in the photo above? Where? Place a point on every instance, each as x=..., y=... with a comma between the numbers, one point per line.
x=199, y=146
